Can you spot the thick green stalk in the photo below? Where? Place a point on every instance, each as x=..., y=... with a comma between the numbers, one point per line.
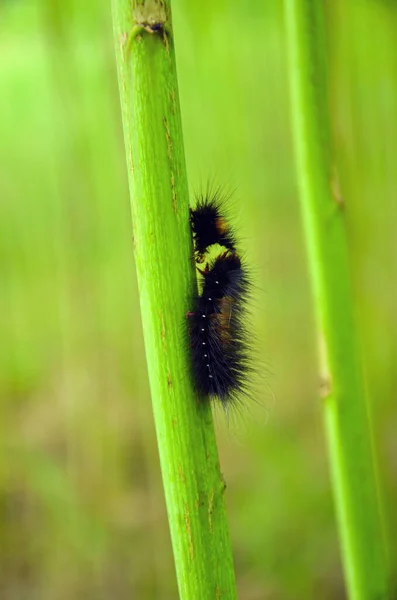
x=345, y=403
x=193, y=484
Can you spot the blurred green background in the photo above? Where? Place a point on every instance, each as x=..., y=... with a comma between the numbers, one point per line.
x=82, y=506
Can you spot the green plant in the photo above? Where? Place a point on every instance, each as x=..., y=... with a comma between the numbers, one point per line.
x=160, y=215
x=344, y=394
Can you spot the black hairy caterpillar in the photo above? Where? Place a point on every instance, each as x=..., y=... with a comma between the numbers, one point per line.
x=209, y=225
x=220, y=352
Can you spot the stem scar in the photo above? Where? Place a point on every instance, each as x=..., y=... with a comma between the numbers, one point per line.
x=181, y=474
x=189, y=532
x=211, y=509
x=170, y=157
x=163, y=332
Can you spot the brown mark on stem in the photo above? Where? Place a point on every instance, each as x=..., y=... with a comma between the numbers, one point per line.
x=168, y=138
x=166, y=43
x=189, y=532
x=133, y=241
x=163, y=332
x=173, y=101
x=169, y=380
x=181, y=474
x=174, y=197
x=211, y=509
x=170, y=157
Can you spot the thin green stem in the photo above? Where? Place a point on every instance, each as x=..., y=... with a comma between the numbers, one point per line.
x=345, y=403
x=193, y=485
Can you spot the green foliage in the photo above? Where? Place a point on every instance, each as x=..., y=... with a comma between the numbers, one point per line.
x=82, y=503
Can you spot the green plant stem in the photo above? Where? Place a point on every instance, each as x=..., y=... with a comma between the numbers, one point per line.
x=345, y=404
x=193, y=484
